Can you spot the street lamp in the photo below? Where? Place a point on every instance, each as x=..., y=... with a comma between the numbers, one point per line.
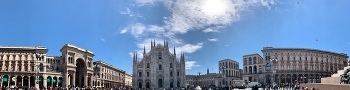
x=222, y=67
x=38, y=58
x=273, y=70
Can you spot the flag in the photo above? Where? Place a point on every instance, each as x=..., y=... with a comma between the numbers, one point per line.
x=38, y=69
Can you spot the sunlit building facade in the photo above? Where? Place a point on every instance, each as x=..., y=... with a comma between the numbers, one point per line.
x=107, y=75
x=306, y=65
x=230, y=70
x=159, y=68
x=32, y=67
x=253, y=68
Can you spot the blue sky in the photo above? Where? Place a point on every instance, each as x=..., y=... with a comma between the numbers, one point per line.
x=206, y=30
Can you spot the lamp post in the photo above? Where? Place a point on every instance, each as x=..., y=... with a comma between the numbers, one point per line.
x=273, y=70
x=222, y=75
x=38, y=58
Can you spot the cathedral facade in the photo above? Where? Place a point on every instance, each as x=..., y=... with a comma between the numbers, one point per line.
x=159, y=68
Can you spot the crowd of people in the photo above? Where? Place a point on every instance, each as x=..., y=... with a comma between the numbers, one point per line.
x=286, y=86
x=61, y=88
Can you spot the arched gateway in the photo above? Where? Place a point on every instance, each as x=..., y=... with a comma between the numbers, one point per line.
x=79, y=72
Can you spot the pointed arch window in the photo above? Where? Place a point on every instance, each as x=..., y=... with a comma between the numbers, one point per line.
x=159, y=55
x=147, y=65
x=171, y=65
x=160, y=67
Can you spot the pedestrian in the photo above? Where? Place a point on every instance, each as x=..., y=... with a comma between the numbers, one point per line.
x=296, y=86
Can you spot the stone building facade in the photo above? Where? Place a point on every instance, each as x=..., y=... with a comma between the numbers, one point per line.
x=230, y=69
x=31, y=67
x=159, y=68
x=107, y=75
x=253, y=66
x=305, y=65
x=204, y=80
x=128, y=80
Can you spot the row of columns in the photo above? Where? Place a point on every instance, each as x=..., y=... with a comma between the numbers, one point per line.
x=71, y=79
x=29, y=81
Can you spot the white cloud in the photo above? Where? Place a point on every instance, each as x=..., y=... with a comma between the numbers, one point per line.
x=128, y=12
x=189, y=48
x=188, y=15
x=102, y=39
x=210, y=30
x=145, y=2
x=123, y=31
x=131, y=54
x=213, y=39
x=190, y=64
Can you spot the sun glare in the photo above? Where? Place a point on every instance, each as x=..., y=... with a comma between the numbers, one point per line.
x=214, y=7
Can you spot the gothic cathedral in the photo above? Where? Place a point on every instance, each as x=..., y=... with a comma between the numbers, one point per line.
x=158, y=68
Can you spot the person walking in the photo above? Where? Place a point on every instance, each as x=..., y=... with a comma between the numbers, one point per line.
x=296, y=86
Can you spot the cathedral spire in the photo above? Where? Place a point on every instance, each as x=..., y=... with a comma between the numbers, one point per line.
x=174, y=50
x=144, y=50
x=207, y=70
x=151, y=44
x=136, y=55
x=154, y=43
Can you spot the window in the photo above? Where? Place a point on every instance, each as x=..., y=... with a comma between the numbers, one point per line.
x=305, y=58
x=25, y=68
x=299, y=58
x=26, y=57
x=178, y=74
x=294, y=58
x=306, y=68
x=171, y=73
x=311, y=59
x=294, y=67
x=140, y=74
x=300, y=67
x=19, y=68
x=32, y=67
x=316, y=59
x=147, y=74
x=147, y=65
x=282, y=67
x=287, y=58
x=0, y=57
x=171, y=65
x=254, y=60
x=250, y=60
x=276, y=67
x=159, y=67
x=245, y=61
x=159, y=55
x=6, y=68
x=282, y=58
x=288, y=67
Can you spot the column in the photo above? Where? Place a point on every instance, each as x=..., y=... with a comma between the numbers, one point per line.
x=36, y=82
x=86, y=80
x=29, y=82
x=1, y=80
x=91, y=79
x=22, y=80
x=65, y=79
x=73, y=79
x=44, y=81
